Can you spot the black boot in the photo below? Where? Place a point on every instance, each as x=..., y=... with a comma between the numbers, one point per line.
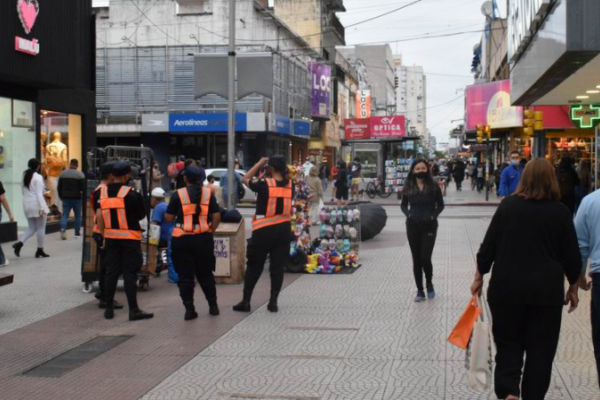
x=137, y=314
x=17, y=247
x=213, y=308
x=244, y=305
x=40, y=253
x=116, y=305
x=272, y=306
x=190, y=311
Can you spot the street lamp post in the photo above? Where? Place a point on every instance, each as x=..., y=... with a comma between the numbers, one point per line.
x=231, y=109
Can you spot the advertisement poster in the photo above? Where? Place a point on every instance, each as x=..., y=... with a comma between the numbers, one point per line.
x=223, y=256
x=388, y=127
x=363, y=104
x=320, y=77
x=357, y=129
x=489, y=104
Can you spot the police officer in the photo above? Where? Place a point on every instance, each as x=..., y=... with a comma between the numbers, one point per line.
x=271, y=227
x=106, y=176
x=121, y=209
x=197, y=215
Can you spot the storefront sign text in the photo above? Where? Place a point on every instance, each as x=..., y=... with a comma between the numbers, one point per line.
x=28, y=11
x=357, y=129
x=585, y=116
x=523, y=21
x=205, y=123
x=490, y=104
x=320, y=77
x=363, y=104
x=302, y=128
x=388, y=127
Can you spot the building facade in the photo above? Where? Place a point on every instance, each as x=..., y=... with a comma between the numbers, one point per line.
x=411, y=97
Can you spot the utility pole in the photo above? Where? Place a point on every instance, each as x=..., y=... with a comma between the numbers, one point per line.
x=231, y=114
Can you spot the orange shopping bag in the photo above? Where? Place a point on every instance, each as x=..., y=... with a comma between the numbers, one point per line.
x=461, y=334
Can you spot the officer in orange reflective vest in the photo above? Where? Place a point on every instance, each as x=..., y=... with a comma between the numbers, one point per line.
x=120, y=211
x=271, y=228
x=197, y=215
x=106, y=176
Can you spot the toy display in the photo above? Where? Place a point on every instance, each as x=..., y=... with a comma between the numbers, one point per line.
x=396, y=172
x=301, y=242
x=337, y=248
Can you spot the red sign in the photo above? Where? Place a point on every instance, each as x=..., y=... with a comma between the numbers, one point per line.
x=28, y=11
x=356, y=129
x=388, y=127
x=556, y=117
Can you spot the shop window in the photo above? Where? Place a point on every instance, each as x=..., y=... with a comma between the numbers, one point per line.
x=60, y=142
x=17, y=146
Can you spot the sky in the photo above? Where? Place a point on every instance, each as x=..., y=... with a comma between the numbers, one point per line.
x=439, y=57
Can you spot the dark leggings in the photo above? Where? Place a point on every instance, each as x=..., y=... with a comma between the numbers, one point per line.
x=421, y=239
x=275, y=242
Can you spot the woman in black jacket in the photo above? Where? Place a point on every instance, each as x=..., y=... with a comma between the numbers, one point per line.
x=422, y=203
x=341, y=185
x=531, y=245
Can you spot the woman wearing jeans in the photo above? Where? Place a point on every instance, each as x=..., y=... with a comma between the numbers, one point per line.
x=530, y=247
x=4, y=202
x=35, y=208
x=422, y=203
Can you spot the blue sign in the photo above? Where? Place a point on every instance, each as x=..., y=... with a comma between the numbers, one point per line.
x=283, y=125
x=205, y=122
x=302, y=128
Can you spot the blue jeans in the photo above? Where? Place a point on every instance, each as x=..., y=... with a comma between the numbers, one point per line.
x=69, y=205
x=2, y=257
x=173, y=276
x=596, y=319
x=325, y=182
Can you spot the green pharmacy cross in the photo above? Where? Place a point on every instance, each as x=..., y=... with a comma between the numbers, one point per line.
x=585, y=116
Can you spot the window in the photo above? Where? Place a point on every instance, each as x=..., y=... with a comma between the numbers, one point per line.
x=193, y=7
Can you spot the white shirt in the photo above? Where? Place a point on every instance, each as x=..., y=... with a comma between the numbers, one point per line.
x=33, y=197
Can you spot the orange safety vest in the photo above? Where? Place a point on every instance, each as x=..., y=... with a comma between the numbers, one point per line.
x=275, y=193
x=96, y=227
x=189, y=227
x=107, y=205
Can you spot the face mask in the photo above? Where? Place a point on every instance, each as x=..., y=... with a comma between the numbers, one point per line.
x=515, y=163
x=421, y=175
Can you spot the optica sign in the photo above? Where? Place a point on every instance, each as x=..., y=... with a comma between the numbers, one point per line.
x=388, y=127
x=28, y=11
x=357, y=129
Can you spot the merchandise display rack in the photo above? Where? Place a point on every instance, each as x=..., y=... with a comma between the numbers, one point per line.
x=396, y=172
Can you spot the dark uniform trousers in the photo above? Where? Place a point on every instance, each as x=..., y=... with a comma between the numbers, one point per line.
x=529, y=332
x=101, y=268
x=194, y=258
x=273, y=240
x=122, y=257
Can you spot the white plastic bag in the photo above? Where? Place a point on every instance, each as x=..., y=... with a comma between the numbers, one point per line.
x=480, y=364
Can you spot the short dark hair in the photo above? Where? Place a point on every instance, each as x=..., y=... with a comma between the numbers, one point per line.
x=210, y=179
x=74, y=162
x=356, y=159
x=515, y=152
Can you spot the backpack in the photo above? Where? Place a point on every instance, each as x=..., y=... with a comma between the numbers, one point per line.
x=173, y=171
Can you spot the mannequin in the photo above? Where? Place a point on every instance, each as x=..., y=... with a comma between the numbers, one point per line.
x=56, y=159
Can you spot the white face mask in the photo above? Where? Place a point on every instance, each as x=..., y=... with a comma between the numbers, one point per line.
x=515, y=163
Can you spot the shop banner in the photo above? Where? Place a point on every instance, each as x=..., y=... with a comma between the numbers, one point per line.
x=320, y=77
x=302, y=128
x=155, y=122
x=489, y=104
x=282, y=125
x=357, y=129
x=205, y=123
x=363, y=104
x=388, y=127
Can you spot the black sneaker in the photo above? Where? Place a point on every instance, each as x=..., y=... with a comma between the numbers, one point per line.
x=137, y=315
x=420, y=297
x=242, y=306
x=116, y=305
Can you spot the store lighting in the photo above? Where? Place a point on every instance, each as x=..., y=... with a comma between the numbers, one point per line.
x=1, y=134
x=593, y=91
x=583, y=97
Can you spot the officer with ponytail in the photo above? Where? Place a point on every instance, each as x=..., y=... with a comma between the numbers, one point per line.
x=271, y=227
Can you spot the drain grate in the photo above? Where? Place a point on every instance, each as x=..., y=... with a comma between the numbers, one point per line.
x=76, y=357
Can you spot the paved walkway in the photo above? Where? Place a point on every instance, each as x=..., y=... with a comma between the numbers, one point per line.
x=342, y=337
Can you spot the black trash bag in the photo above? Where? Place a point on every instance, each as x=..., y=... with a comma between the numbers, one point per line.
x=373, y=219
x=233, y=216
x=297, y=263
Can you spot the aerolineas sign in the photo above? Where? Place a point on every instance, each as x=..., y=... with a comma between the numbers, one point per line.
x=524, y=19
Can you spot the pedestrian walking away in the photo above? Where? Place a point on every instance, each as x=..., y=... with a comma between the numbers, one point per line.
x=341, y=184
x=355, y=175
x=4, y=201
x=315, y=189
x=159, y=210
x=119, y=212
x=568, y=182
x=71, y=187
x=324, y=175
x=458, y=172
x=271, y=227
x=106, y=177
x=196, y=215
x=588, y=234
x=422, y=203
x=35, y=209
x=511, y=176
x=530, y=247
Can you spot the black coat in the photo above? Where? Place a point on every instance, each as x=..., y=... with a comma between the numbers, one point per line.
x=459, y=171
